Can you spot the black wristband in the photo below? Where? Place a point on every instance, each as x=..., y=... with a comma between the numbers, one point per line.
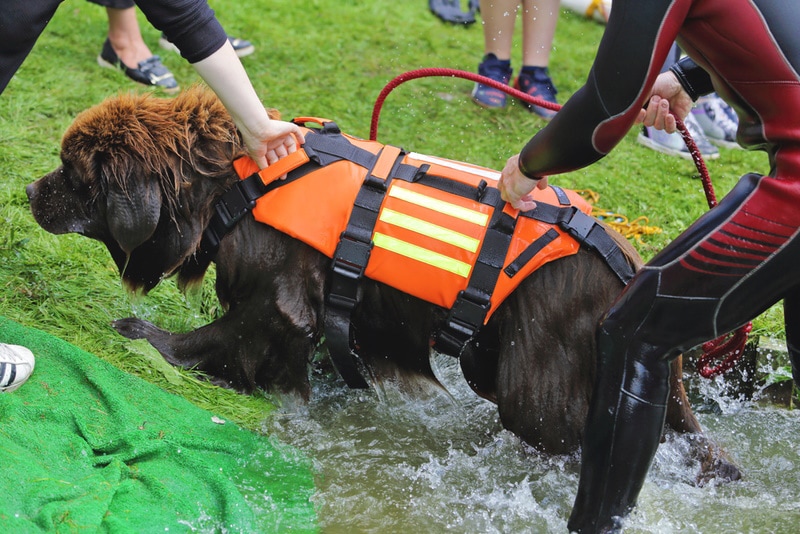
x=692, y=78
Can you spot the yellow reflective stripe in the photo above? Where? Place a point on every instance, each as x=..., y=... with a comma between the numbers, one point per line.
x=431, y=230
x=446, y=208
x=421, y=254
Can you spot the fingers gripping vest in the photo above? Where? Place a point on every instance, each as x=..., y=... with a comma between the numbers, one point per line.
x=433, y=228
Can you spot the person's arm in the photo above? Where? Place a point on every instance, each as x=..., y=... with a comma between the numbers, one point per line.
x=266, y=140
x=634, y=46
x=192, y=26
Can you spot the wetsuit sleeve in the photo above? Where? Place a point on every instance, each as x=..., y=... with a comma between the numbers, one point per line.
x=693, y=78
x=631, y=53
x=189, y=24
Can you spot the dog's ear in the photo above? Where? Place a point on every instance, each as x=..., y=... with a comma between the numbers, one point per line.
x=133, y=205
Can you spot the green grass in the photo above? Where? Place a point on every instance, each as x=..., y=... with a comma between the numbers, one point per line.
x=327, y=58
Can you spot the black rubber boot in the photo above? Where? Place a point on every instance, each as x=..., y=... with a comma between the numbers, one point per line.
x=625, y=422
x=791, y=318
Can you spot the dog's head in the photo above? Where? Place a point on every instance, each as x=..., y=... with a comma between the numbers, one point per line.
x=140, y=174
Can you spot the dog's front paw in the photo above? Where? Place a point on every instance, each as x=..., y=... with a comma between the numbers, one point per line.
x=134, y=328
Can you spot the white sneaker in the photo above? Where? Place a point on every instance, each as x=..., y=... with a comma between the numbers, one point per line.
x=717, y=120
x=16, y=366
x=673, y=143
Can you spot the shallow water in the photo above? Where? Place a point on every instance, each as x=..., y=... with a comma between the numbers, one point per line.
x=386, y=463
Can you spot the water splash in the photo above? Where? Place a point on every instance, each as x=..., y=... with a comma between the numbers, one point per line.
x=391, y=464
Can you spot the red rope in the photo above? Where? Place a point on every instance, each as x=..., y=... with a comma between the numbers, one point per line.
x=448, y=73
x=727, y=348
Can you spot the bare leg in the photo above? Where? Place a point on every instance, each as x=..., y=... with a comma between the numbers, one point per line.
x=499, y=17
x=126, y=37
x=539, y=18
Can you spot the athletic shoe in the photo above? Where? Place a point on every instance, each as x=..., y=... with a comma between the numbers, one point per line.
x=714, y=116
x=149, y=72
x=242, y=47
x=497, y=70
x=450, y=11
x=673, y=143
x=16, y=366
x=536, y=82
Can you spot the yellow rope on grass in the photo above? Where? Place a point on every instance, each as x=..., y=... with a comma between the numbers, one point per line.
x=634, y=229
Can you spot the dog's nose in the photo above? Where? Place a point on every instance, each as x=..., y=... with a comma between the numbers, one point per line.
x=30, y=190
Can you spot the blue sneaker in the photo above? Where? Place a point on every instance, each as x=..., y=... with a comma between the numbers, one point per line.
x=497, y=70
x=536, y=82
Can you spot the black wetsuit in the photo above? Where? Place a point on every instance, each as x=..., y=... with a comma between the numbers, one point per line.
x=189, y=24
x=731, y=265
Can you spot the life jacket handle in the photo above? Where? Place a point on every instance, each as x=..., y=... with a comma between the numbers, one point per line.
x=283, y=166
x=328, y=126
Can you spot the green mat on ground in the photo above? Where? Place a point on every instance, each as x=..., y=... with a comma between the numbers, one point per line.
x=86, y=447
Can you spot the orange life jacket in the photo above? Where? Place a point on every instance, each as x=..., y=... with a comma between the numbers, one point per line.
x=434, y=228
x=426, y=240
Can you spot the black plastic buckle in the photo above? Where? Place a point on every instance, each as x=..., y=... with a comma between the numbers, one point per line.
x=468, y=312
x=464, y=320
x=482, y=185
x=232, y=206
x=349, y=262
x=421, y=172
x=579, y=225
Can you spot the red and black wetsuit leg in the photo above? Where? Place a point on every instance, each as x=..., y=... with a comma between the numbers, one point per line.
x=728, y=267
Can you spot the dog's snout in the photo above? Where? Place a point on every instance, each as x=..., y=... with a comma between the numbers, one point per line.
x=30, y=190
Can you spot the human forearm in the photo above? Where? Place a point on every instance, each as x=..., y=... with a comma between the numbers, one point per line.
x=267, y=140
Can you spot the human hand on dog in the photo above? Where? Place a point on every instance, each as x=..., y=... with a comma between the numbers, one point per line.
x=515, y=187
x=267, y=140
x=278, y=139
x=667, y=101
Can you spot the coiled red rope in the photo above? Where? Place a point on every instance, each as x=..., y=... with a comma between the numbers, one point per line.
x=727, y=348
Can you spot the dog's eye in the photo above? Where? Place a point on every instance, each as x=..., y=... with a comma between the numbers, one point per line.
x=72, y=179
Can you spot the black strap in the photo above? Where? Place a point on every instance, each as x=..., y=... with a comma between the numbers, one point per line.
x=234, y=204
x=327, y=148
x=587, y=231
x=240, y=200
x=347, y=269
x=469, y=310
x=561, y=195
x=530, y=251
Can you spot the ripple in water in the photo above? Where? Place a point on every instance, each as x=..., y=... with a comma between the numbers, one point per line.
x=385, y=463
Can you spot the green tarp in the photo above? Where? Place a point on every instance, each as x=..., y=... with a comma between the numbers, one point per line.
x=85, y=447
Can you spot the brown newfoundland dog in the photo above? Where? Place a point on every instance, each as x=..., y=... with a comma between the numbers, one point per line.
x=142, y=175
